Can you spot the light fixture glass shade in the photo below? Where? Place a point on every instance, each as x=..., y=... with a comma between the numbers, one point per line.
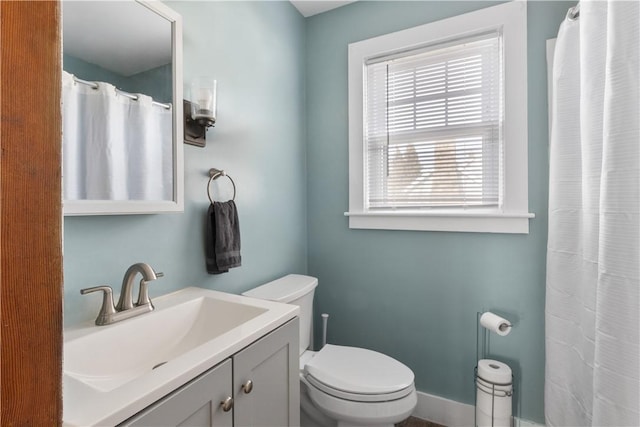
x=203, y=100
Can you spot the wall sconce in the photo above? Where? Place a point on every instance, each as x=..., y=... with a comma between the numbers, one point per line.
x=200, y=113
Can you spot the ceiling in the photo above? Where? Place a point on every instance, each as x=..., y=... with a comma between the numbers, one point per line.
x=313, y=7
x=121, y=36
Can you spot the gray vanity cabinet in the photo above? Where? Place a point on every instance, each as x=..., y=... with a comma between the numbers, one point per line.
x=262, y=381
x=266, y=380
x=196, y=404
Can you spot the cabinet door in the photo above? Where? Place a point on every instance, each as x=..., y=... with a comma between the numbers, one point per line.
x=198, y=403
x=272, y=366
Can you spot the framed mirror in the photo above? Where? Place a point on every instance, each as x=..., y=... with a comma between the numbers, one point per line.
x=122, y=108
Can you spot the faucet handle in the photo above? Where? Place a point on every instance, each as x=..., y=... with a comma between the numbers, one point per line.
x=107, y=310
x=143, y=292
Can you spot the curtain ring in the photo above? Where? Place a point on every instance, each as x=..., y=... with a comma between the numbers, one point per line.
x=215, y=174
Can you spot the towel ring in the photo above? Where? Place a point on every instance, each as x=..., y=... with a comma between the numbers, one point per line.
x=215, y=174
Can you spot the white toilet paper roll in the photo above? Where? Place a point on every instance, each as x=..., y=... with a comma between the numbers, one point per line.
x=485, y=420
x=491, y=398
x=495, y=323
x=494, y=371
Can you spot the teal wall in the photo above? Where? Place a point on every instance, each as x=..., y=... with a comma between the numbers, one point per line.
x=155, y=82
x=414, y=295
x=256, y=51
x=87, y=71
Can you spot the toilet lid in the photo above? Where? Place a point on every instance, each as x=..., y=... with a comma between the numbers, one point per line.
x=358, y=370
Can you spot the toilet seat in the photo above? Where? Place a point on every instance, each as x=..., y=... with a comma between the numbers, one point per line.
x=358, y=374
x=355, y=397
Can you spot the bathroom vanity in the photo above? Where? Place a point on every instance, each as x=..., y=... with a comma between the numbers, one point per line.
x=202, y=357
x=256, y=386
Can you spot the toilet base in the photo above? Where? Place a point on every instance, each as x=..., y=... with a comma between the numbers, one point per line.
x=310, y=416
x=322, y=410
x=308, y=421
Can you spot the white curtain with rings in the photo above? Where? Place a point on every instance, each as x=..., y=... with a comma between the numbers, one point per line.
x=593, y=259
x=114, y=147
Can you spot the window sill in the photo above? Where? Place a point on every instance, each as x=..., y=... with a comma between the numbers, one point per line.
x=469, y=221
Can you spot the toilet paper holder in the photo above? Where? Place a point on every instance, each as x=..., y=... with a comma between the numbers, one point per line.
x=495, y=390
x=482, y=331
x=489, y=387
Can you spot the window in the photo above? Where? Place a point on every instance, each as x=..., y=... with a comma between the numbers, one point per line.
x=437, y=125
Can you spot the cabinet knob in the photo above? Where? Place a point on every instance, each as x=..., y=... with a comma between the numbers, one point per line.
x=247, y=387
x=227, y=404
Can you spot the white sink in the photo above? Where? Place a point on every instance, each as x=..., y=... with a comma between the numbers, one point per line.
x=113, y=356
x=112, y=372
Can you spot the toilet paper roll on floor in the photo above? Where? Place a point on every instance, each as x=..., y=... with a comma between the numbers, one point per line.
x=495, y=323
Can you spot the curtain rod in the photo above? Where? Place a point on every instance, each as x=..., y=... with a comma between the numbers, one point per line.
x=574, y=12
x=95, y=85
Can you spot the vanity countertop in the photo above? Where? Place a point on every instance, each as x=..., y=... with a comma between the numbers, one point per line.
x=113, y=372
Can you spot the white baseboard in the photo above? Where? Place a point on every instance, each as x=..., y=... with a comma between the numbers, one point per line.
x=451, y=413
x=444, y=411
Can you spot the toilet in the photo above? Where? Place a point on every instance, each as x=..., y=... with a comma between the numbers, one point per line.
x=339, y=385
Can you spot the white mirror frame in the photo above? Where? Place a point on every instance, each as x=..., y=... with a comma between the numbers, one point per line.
x=127, y=207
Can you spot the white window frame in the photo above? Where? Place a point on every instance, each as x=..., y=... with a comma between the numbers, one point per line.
x=512, y=215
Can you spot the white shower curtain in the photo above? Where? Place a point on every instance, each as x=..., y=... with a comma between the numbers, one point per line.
x=114, y=148
x=593, y=259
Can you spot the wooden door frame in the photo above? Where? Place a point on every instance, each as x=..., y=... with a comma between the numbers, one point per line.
x=30, y=214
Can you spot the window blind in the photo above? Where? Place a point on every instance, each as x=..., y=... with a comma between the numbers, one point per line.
x=433, y=126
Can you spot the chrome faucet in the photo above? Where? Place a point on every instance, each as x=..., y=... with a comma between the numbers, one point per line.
x=126, y=309
x=126, y=298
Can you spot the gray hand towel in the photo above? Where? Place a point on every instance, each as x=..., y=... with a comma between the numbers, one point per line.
x=223, y=237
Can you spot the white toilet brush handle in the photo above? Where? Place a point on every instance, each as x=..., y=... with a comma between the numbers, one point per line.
x=325, y=319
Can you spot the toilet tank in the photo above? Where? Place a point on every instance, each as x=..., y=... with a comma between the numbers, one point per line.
x=292, y=289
